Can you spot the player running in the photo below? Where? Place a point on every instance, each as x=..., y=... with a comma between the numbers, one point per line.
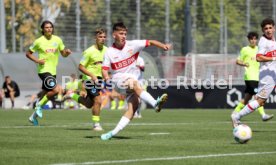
x=49, y=47
x=267, y=57
x=91, y=67
x=247, y=59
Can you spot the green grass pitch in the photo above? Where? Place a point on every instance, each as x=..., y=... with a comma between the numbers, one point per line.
x=174, y=137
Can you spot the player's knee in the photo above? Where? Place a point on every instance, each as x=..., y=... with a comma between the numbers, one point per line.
x=86, y=101
x=261, y=101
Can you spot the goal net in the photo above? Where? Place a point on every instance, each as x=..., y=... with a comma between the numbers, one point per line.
x=213, y=66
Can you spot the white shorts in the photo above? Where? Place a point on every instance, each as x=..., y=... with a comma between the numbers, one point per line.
x=119, y=81
x=266, y=84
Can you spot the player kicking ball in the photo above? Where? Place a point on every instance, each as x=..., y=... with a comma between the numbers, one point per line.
x=121, y=59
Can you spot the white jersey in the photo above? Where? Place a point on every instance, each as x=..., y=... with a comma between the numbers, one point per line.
x=267, y=48
x=140, y=65
x=122, y=61
x=267, y=69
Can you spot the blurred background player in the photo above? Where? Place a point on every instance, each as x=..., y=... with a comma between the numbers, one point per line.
x=91, y=67
x=73, y=86
x=48, y=46
x=33, y=98
x=117, y=100
x=140, y=66
x=10, y=89
x=247, y=59
x=121, y=58
x=267, y=59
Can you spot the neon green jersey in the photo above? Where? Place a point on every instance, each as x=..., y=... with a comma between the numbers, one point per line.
x=73, y=85
x=92, y=60
x=248, y=55
x=48, y=50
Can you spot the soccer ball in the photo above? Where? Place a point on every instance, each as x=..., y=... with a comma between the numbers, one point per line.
x=242, y=133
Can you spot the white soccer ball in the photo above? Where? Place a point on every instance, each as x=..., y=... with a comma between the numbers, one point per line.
x=242, y=133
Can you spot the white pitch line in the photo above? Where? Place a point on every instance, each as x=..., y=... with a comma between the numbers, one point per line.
x=160, y=133
x=132, y=124
x=168, y=158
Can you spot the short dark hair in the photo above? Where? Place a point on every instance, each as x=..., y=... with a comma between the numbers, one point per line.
x=267, y=21
x=43, y=25
x=251, y=35
x=99, y=31
x=119, y=26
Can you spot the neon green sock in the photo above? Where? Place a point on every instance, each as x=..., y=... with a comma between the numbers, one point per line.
x=59, y=97
x=43, y=101
x=261, y=110
x=113, y=105
x=239, y=107
x=75, y=97
x=95, y=119
x=121, y=103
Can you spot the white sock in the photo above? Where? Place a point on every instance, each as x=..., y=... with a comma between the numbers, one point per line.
x=121, y=125
x=249, y=108
x=148, y=98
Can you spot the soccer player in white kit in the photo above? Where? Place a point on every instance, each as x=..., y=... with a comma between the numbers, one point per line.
x=121, y=59
x=267, y=57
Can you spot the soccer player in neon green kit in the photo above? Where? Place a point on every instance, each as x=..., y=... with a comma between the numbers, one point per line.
x=247, y=59
x=91, y=67
x=48, y=47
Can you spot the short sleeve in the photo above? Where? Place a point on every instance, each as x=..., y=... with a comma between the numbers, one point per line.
x=85, y=58
x=140, y=62
x=262, y=47
x=61, y=45
x=242, y=54
x=34, y=46
x=106, y=61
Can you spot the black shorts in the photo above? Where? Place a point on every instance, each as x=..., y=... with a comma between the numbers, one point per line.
x=49, y=81
x=251, y=87
x=92, y=89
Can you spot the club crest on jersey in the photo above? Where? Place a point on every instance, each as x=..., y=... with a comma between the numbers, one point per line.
x=130, y=52
x=199, y=96
x=55, y=44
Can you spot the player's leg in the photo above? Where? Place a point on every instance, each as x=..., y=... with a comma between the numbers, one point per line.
x=133, y=102
x=113, y=97
x=96, y=109
x=121, y=102
x=12, y=98
x=1, y=99
x=251, y=89
x=49, y=84
x=145, y=96
x=266, y=86
x=240, y=106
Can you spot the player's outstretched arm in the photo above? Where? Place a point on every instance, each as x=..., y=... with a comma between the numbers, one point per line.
x=160, y=45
